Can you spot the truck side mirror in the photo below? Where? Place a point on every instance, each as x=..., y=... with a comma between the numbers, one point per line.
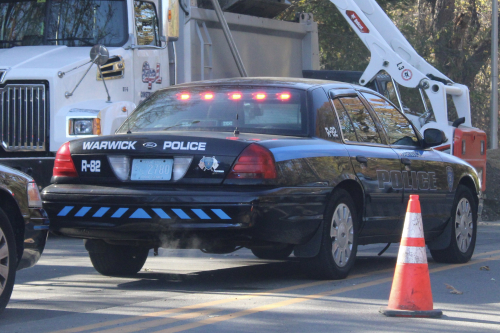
x=434, y=137
x=170, y=19
x=99, y=54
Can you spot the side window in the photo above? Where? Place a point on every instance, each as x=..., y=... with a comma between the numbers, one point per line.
x=412, y=101
x=345, y=122
x=398, y=128
x=362, y=122
x=390, y=92
x=326, y=119
x=146, y=23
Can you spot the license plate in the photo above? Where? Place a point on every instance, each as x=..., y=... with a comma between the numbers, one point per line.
x=152, y=169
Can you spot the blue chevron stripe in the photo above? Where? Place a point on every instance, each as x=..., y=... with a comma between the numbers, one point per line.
x=119, y=212
x=140, y=214
x=220, y=213
x=101, y=212
x=82, y=211
x=201, y=214
x=161, y=213
x=65, y=210
x=181, y=214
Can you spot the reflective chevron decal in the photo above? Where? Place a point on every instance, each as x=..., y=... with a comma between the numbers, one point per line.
x=141, y=213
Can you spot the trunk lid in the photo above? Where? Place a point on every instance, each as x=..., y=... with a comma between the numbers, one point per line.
x=202, y=159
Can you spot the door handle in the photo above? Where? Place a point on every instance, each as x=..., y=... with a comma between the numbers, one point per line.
x=406, y=161
x=361, y=159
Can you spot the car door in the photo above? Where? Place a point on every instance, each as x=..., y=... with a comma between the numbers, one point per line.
x=422, y=169
x=373, y=162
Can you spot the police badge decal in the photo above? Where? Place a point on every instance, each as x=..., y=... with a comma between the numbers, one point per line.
x=449, y=177
x=208, y=163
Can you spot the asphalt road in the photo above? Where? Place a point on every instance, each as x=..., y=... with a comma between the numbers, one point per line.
x=186, y=290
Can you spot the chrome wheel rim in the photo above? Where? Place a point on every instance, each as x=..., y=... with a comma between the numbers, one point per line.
x=4, y=261
x=464, y=227
x=342, y=235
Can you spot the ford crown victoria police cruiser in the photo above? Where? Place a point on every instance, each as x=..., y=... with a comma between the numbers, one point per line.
x=274, y=165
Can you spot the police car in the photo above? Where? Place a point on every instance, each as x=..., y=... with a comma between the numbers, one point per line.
x=271, y=164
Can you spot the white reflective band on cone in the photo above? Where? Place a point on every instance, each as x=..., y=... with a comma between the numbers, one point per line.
x=412, y=255
x=413, y=227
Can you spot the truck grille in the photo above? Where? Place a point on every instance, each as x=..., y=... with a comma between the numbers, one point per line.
x=23, y=117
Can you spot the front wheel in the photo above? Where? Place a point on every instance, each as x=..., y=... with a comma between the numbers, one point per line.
x=8, y=260
x=463, y=229
x=339, y=240
x=116, y=260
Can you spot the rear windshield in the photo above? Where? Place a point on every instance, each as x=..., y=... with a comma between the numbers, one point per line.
x=224, y=109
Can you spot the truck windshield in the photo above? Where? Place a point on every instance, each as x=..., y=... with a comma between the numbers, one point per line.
x=63, y=22
x=261, y=110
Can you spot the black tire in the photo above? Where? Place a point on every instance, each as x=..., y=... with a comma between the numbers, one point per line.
x=328, y=264
x=275, y=253
x=8, y=260
x=118, y=260
x=454, y=253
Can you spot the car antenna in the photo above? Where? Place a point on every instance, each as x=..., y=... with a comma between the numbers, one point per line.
x=128, y=124
x=236, y=130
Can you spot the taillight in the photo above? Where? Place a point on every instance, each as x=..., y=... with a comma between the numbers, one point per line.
x=63, y=165
x=255, y=162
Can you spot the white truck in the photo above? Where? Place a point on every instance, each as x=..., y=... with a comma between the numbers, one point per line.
x=51, y=92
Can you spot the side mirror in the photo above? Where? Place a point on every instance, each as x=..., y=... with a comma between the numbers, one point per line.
x=99, y=54
x=434, y=137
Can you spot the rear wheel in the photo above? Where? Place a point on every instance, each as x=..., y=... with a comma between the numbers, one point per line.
x=463, y=229
x=339, y=241
x=117, y=260
x=276, y=252
x=8, y=260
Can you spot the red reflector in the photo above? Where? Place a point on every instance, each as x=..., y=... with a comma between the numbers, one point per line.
x=183, y=96
x=260, y=96
x=255, y=162
x=284, y=96
x=63, y=165
x=235, y=96
x=208, y=96
x=232, y=138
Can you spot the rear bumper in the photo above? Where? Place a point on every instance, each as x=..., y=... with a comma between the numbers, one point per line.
x=240, y=215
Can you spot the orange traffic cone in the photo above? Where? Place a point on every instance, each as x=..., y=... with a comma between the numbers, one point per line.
x=411, y=294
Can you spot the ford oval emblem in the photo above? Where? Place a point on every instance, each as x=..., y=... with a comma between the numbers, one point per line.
x=150, y=144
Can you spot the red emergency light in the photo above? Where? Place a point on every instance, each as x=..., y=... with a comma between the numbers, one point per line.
x=208, y=96
x=260, y=96
x=235, y=96
x=284, y=96
x=183, y=96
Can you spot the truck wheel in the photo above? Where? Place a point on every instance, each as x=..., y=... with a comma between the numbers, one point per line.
x=8, y=260
x=118, y=260
x=463, y=230
x=276, y=253
x=339, y=242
